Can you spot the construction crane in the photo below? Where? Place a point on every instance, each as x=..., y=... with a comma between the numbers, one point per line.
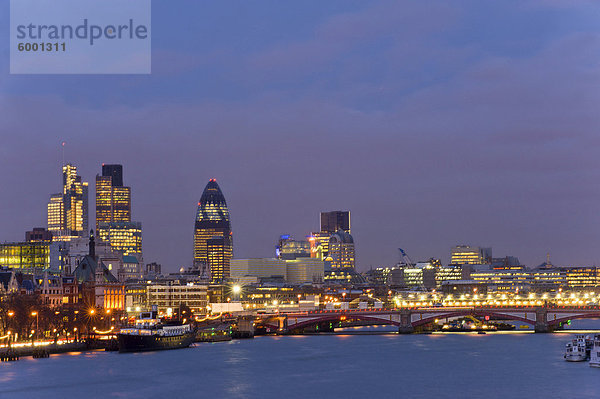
x=405, y=258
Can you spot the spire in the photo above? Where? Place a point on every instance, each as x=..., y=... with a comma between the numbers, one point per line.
x=92, y=245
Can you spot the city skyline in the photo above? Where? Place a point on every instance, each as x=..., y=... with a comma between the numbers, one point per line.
x=445, y=257
x=434, y=124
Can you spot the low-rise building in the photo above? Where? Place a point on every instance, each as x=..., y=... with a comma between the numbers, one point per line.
x=173, y=295
x=258, y=267
x=304, y=270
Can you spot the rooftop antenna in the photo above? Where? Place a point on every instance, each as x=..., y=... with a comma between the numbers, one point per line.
x=63, y=152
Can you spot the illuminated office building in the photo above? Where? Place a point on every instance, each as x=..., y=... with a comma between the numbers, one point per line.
x=170, y=297
x=288, y=248
x=34, y=256
x=56, y=214
x=331, y=222
x=213, y=241
x=341, y=250
x=75, y=201
x=68, y=211
x=582, y=277
x=113, y=200
x=467, y=255
x=124, y=237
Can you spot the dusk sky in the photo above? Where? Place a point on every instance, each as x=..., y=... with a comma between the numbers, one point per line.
x=435, y=123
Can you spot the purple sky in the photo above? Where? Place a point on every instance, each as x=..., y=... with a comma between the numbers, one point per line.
x=435, y=123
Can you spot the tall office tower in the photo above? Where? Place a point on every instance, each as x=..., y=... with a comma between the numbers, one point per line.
x=113, y=200
x=56, y=215
x=341, y=250
x=331, y=222
x=75, y=201
x=213, y=240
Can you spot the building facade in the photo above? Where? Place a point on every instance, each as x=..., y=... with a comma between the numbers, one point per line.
x=304, y=270
x=258, y=267
x=34, y=256
x=113, y=200
x=68, y=211
x=213, y=240
x=288, y=248
x=75, y=201
x=38, y=234
x=123, y=237
x=341, y=250
x=172, y=296
x=467, y=255
x=330, y=223
x=56, y=215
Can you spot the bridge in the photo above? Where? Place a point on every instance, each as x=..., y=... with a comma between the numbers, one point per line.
x=542, y=318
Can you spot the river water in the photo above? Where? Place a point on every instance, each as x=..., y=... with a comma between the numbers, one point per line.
x=383, y=365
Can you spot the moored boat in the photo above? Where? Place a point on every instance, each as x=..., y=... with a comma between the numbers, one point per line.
x=578, y=350
x=151, y=334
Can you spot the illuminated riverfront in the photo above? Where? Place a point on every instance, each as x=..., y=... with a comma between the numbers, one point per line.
x=340, y=199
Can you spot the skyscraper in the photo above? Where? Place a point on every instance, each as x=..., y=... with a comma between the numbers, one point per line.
x=75, y=198
x=331, y=223
x=56, y=214
x=113, y=200
x=68, y=212
x=341, y=250
x=213, y=241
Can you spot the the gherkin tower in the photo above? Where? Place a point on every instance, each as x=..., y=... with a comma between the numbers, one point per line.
x=213, y=243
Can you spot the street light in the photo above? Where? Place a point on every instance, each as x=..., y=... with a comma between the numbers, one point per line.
x=37, y=325
x=237, y=289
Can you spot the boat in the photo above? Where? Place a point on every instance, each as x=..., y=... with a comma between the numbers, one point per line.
x=578, y=350
x=595, y=352
x=150, y=334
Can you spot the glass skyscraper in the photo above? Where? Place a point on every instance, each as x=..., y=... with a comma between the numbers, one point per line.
x=68, y=212
x=113, y=200
x=213, y=241
x=331, y=223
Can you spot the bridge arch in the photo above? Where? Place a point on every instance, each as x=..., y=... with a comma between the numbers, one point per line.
x=574, y=317
x=476, y=313
x=335, y=317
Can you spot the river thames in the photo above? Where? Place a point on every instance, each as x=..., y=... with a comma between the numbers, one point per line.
x=383, y=365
